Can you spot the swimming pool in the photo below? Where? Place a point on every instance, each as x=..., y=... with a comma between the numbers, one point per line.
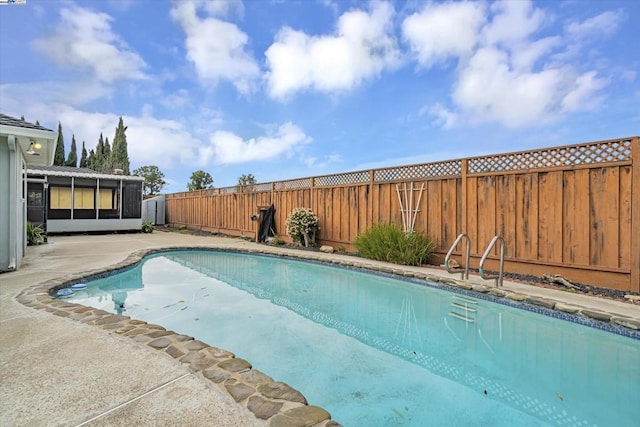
x=373, y=350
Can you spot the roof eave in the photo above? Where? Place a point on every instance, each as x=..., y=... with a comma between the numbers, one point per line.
x=83, y=175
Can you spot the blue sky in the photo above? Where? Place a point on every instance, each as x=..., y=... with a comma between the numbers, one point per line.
x=291, y=88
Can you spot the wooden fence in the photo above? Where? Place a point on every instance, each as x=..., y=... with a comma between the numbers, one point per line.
x=572, y=210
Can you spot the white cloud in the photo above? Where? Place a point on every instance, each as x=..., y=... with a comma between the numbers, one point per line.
x=444, y=30
x=513, y=22
x=314, y=162
x=150, y=141
x=490, y=90
x=506, y=74
x=216, y=47
x=223, y=7
x=362, y=47
x=228, y=148
x=177, y=100
x=442, y=116
x=581, y=96
x=526, y=55
x=84, y=40
x=13, y=95
x=604, y=24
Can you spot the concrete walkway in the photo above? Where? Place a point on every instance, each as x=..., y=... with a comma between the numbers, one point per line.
x=56, y=371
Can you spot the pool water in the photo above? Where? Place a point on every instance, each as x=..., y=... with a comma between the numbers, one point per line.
x=378, y=351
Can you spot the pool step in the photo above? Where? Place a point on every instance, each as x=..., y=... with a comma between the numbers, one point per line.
x=462, y=317
x=464, y=308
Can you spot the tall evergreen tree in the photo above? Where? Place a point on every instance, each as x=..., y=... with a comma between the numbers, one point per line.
x=107, y=158
x=72, y=159
x=37, y=123
x=119, y=154
x=97, y=162
x=84, y=161
x=22, y=118
x=91, y=160
x=59, y=159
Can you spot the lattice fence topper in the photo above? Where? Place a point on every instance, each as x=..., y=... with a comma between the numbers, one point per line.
x=293, y=184
x=228, y=190
x=266, y=186
x=603, y=152
x=210, y=192
x=426, y=170
x=407, y=209
x=361, y=177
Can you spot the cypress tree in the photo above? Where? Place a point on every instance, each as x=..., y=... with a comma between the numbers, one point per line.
x=97, y=157
x=37, y=123
x=58, y=159
x=119, y=154
x=72, y=160
x=84, y=163
x=107, y=157
x=91, y=160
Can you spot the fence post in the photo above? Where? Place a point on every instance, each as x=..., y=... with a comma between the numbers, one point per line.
x=312, y=189
x=273, y=189
x=635, y=214
x=463, y=189
x=370, y=200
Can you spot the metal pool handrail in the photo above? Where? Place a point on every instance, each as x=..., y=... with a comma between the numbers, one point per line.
x=497, y=278
x=465, y=272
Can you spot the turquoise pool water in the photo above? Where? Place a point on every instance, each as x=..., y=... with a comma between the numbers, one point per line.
x=376, y=351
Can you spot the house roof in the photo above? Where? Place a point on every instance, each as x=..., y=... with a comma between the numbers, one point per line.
x=12, y=121
x=62, y=169
x=77, y=173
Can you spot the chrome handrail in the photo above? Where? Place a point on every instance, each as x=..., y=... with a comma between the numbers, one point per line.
x=465, y=272
x=497, y=278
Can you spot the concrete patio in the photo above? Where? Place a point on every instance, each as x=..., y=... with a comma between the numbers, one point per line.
x=57, y=371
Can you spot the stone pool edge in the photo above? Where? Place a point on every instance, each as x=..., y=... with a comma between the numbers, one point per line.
x=269, y=400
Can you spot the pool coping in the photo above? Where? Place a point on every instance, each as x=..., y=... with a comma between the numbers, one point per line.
x=269, y=400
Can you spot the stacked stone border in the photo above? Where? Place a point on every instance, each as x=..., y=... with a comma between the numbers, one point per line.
x=276, y=402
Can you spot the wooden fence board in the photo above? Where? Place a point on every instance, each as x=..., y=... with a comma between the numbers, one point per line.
x=604, y=206
x=449, y=210
x=434, y=221
x=363, y=208
x=625, y=230
x=505, y=212
x=527, y=216
x=576, y=217
x=352, y=216
x=472, y=213
x=550, y=217
x=486, y=212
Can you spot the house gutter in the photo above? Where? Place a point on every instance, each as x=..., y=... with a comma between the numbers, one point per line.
x=13, y=247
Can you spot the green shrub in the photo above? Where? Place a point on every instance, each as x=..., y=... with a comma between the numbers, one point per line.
x=386, y=242
x=147, y=227
x=302, y=226
x=35, y=234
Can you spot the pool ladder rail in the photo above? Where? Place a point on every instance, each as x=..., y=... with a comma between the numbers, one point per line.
x=465, y=271
x=500, y=275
